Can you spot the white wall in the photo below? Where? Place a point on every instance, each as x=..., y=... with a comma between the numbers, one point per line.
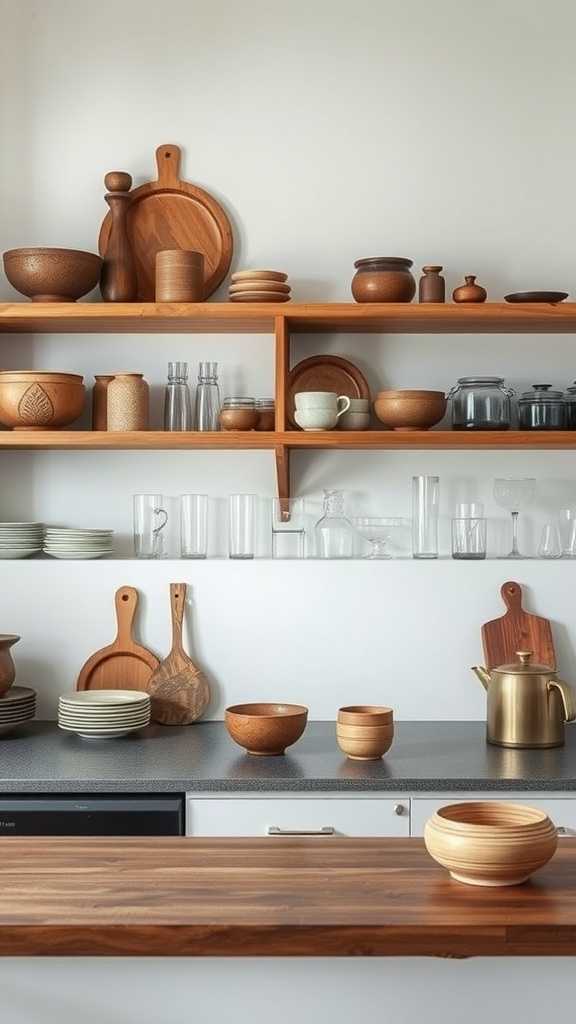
x=430, y=131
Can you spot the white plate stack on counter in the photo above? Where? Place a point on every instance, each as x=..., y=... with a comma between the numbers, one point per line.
x=259, y=286
x=21, y=540
x=62, y=542
x=18, y=705
x=104, y=714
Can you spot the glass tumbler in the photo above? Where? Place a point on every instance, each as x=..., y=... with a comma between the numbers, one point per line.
x=150, y=518
x=469, y=528
x=242, y=525
x=288, y=528
x=567, y=527
x=425, y=505
x=193, y=525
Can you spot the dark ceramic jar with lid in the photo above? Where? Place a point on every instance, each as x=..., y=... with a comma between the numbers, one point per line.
x=383, y=279
x=542, y=408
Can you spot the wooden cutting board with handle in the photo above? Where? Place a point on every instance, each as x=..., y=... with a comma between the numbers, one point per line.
x=179, y=691
x=170, y=213
x=124, y=664
x=517, y=630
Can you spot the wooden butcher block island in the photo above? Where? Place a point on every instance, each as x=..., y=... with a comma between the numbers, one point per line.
x=270, y=897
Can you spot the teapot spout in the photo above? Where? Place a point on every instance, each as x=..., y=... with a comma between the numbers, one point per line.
x=483, y=675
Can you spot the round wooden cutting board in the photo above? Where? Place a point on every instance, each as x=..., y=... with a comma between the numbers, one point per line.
x=325, y=373
x=173, y=214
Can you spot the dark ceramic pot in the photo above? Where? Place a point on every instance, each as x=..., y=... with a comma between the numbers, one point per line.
x=383, y=279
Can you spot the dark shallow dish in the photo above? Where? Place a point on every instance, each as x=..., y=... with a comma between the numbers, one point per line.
x=536, y=297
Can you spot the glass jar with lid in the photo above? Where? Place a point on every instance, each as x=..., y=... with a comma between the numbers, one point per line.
x=542, y=408
x=481, y=403
x=238, y=414
x=571, y=407
x=265, y=411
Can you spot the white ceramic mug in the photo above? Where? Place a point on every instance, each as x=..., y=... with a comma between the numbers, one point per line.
x=327, y=400
x=316, y=419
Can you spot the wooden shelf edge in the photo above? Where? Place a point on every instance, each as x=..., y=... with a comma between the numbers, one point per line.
x=239, y=318
x=283, y=442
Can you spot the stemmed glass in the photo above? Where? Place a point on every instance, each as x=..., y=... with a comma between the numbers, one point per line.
x=377, y=531
x=514, y=495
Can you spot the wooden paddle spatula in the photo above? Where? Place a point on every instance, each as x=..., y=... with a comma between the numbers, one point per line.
x=124, y=664
x=179, y=691
x=517, y=630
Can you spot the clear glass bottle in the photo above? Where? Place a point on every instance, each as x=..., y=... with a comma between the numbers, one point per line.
x=177, y=405
x=334, y=532
x=207, y=398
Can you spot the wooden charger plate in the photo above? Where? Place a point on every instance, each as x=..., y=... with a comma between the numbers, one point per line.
x=172, y=214
x=325, y=373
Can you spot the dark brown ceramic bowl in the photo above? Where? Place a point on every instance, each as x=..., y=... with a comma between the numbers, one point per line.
x=266, y=729
x=536, y=297
x=52, y=275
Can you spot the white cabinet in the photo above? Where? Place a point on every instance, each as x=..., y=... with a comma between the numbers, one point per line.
x=562, y=810
x=324, y=815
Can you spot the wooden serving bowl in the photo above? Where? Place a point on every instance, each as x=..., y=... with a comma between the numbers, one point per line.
x=410, y=410
x=52, y=275
x=34, y=400
x=266, y=729
x=492, y=844
x=365, y=714
x=366, y=747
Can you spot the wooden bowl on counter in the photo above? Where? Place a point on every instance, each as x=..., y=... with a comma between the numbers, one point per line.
x=52, y=275
x=37, y=400
x=410, y=410
x=266, y=729
x=365, y=714
x=491, y=844
x=365, y=732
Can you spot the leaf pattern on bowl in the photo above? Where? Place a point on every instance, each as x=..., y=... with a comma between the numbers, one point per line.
x=35, y=406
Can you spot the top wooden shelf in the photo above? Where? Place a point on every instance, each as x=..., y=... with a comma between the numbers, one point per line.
x=258, y=318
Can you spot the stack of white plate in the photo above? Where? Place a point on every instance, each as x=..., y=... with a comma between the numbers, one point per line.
x=104, y=714
x=20, y=540
x=61, y=542
x=16, y=706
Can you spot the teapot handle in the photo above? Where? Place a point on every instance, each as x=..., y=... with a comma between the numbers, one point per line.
x=566, y=696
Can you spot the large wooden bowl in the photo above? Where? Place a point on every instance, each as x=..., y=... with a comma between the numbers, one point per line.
x=36, y=400
x=410, y=410
x=52, y=275
x=484, y=843
x=266, y=729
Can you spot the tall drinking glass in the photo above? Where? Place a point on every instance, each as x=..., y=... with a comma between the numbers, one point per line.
x=514, y=494
x=150, y=518
x=193, y=525
x=469, y=532
x=425, y=506
x=567, y=526
x=288, y=528
x=242, y=525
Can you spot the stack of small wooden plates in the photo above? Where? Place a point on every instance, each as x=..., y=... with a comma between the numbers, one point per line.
x=259, y=286
x=16, y=706
x=104, y=714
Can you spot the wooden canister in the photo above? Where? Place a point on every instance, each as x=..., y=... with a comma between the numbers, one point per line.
x=127, y=406
x=179, y=276
x=100, y=400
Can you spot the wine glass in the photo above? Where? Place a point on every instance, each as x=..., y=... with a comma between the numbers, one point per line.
x=514, y=494
x=378, y=530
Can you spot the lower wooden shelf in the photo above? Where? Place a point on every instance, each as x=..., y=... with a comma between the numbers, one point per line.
x=363, y=440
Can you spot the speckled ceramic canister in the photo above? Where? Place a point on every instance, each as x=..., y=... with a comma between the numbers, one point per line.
x=127, y=404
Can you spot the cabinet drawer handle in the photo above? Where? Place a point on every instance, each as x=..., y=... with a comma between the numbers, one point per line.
x=326, y=830
x=563, y=831
x=399, y=809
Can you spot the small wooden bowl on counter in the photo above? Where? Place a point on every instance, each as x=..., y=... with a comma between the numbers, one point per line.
x=490, y=844
x=365, y=732
x=266, y=729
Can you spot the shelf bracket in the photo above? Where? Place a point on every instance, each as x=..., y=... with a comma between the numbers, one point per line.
x=282, y=456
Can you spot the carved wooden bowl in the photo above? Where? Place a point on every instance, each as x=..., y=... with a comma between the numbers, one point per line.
x=485, y=843
x=266, y=729
x=52, y=275
x=36, y=400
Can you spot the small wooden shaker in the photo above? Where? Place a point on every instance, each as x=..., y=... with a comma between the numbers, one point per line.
x=118, y=282
x=179, y=276
x=432, y=287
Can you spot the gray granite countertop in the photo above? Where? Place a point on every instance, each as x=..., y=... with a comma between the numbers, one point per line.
x=425, y=757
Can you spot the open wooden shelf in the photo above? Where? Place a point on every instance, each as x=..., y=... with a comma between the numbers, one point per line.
x=261, y=318
x=364, y=440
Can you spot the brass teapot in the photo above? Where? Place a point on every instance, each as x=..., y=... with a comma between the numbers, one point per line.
x=527, y=704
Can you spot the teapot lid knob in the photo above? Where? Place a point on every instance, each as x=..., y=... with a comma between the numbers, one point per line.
x=524, y=656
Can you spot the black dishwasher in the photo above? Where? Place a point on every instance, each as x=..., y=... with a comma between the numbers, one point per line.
x=92, y=815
